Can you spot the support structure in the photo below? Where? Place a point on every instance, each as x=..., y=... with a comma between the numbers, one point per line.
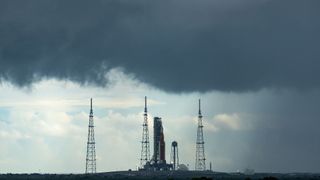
x=91, y=147
x=158, y=160
x=174, y=155
x=200, y=156
x=145, y=145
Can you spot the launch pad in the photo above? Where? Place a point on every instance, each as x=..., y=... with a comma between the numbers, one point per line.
x=158, y=161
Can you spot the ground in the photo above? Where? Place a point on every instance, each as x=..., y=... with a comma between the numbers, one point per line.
x=193, y=175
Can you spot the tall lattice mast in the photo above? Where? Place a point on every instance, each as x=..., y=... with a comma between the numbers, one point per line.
x=200, y=157
x=91, y=148
x=145, y=145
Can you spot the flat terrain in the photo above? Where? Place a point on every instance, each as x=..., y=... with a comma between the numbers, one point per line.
x=162, y=175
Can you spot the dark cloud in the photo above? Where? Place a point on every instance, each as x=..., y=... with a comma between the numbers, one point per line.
x=287, y=138
x=278, y=131
x=173, y=45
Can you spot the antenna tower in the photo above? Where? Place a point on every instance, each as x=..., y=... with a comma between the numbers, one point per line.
x=145, y=145
x=200, y=157
x=91, y=148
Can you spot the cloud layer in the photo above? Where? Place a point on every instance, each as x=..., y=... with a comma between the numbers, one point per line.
x=178, y=46
x=270, y=131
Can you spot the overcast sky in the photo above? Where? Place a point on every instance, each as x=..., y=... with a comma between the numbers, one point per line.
x=254, y=63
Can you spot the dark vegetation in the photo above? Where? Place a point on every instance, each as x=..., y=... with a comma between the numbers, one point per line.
x=170, y=175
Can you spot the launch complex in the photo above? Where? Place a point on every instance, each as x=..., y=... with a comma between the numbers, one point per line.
x=156, y=162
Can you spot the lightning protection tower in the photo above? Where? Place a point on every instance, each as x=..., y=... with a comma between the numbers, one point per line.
x=145, y=145
x=200, y=157
x=91, y=148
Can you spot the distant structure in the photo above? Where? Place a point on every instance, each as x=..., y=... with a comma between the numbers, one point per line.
x=145, y=145
x=158, y=161
x=174, y=155
x=91, y=148
x=210, y=166
x=200, y=156
x=159, y=145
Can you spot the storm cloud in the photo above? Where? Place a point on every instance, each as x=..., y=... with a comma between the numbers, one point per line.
x=177, y=46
